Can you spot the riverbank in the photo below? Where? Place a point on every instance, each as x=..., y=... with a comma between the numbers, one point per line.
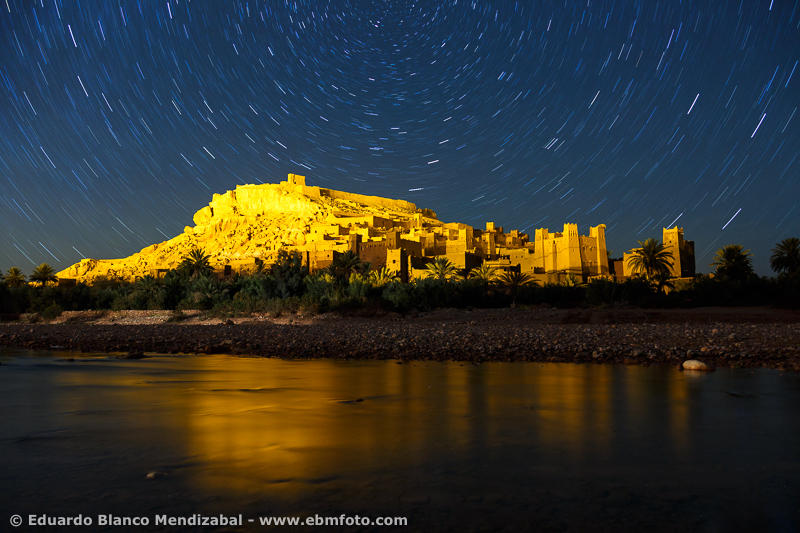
x=734, y=337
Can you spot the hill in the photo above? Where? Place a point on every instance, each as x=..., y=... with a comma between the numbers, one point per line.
x=250, y=224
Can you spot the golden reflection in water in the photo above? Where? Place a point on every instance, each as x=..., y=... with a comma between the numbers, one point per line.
x=283, y=425
x=256, y=432
x=279, y=422
x=303, y=422
x=575, y=407
x=679, y=416
x=107, y=398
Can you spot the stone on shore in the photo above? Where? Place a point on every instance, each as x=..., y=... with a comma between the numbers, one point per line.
x=694, y=364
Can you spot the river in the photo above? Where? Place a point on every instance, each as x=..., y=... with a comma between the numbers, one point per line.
x=449, y=447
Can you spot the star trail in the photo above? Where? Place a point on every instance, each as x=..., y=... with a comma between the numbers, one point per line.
x=119, y=119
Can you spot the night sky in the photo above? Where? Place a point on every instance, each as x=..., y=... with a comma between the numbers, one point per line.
x=120, y=118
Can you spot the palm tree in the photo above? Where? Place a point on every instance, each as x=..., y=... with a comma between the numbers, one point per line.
x=786, y=256
x=15, y=277
x=346, y=264
x=148, y=285
x=571, y=280
x=206, y=291
x=442, y=269
x=662, y=281
x=733, y=262
x=44, y=274
x=651, y=259
x=382, y=277
x=485, y=274
x=196, y=263
x=515, y=280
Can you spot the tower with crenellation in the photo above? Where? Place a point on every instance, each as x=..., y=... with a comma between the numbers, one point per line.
x=682, y=265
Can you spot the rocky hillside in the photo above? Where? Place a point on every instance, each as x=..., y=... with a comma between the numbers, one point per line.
x=251, y=222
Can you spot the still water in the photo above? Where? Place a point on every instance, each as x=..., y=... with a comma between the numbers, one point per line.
x=495, y=447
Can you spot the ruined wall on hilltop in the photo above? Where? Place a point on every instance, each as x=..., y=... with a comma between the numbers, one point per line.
x=257, y=200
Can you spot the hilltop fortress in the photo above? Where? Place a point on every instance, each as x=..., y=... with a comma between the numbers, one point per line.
x=248, y=226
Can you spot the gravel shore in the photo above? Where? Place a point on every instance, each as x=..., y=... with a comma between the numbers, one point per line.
x=734, y=337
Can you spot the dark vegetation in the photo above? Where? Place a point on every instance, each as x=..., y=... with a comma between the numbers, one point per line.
x=350, y=284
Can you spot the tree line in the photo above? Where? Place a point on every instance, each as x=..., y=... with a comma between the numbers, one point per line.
x=350, y=283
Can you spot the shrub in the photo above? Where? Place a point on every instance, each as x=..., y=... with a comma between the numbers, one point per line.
x=309, y=306
x=400, y=296
x=120, y=303
x=259, y=286
x=137, y=300
x=360, y=287
x=6, y=300
x=560, y=295
x=207, y=292
x=787, y=288
x=468, y=293
x=289, y=273
x=176, y=316
x=30, y=318
x=635, y=289
x=527, y=295
x=433, y=293
x=173, y=290
x=278, y=306
x=42, y=296
x=603, y=292
x=52, y=311
x=79, y=298
x=323, y=288
x=347, y=303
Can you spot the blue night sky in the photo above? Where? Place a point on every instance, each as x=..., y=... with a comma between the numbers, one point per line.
x=119, y=119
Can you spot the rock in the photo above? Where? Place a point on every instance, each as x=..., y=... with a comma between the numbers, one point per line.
x=694, y=364
x=155, y=475
x=135, y=354
x=230, y=322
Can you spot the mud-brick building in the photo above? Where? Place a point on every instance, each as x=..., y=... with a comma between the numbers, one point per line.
x=682, y=263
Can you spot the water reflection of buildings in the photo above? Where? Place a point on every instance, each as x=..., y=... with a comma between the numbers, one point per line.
x=282, y=423
x=287, y=425
x=254, y=434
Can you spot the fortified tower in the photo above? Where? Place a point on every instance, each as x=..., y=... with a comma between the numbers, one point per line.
x=296, y=179
x=682, y=265
x=569, y=251
x=599, y=234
